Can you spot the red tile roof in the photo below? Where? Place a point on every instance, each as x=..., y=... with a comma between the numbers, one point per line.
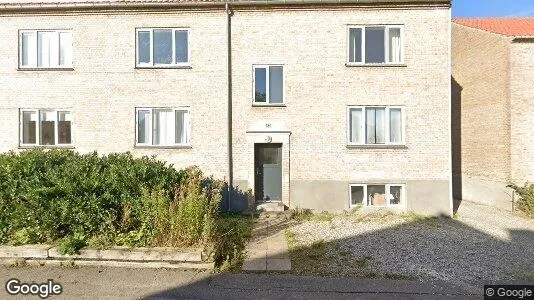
x=504, y=26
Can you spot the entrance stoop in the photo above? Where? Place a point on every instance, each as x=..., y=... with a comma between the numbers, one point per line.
x=271, y=206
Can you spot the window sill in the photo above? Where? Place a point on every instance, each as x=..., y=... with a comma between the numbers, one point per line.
x=46, y=147
x=377, y=147
x=163, y=147
x=164, y=67
x=375, y=65
x=268, y=105
x=45, y=69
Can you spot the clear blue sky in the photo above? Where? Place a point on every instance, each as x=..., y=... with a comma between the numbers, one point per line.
x=492, y=8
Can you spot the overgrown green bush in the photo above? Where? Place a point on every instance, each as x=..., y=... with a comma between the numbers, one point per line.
x=77, y=199
x=526, y=200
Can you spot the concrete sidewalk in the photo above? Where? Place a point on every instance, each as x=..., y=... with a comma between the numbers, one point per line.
x=267, y=249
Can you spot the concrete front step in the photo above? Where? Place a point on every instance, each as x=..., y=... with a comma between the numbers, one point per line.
x=271, y=207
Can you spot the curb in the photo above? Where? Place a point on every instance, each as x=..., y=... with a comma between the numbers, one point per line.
x=41, y=255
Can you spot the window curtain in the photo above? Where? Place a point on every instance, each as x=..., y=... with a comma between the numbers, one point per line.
x=28, y=49
x=47, y=49
x=355, y=115
x=395, y=125
x=355, y=45
x=163, y=127
x=65, y=48
x=64, y=128
x=180, y=133
x=394, y=45
x=48, y=121
x=375, y=125
x=29, y=125
x=143, y=126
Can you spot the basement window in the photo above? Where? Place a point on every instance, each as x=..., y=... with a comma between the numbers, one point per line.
x=376, y=195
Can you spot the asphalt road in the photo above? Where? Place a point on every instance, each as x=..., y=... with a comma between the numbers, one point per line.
x=124, y=283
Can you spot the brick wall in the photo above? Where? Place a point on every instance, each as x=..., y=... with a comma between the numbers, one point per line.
x=522, y=111
x=312, y=47
x=104, y=89
x=480, y=67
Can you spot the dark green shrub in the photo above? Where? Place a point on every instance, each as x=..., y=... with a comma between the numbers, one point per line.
x=73, y=200
x=526, y=200
x=60, y=192
x=71, y=244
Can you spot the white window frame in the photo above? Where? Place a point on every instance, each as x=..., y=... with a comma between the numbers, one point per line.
x=187, y=126
x=386, y=44
x=36, y=54
x=387, y=125
x=401, y=205
x=151, y=64
x=267, y=85
x=38, y=127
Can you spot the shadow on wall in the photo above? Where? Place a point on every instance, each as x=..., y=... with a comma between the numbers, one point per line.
x=239, y=200
x=441, y=251
x=456, y=142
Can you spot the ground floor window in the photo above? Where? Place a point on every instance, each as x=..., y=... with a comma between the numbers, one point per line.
x=376, y=194
x=45, y=127
x=162, y=126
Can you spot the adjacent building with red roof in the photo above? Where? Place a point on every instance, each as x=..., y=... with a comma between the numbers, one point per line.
x=493, y=107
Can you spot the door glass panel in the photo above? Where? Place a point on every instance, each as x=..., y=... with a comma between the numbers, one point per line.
x=268, y=186
x=355, y=45
x=269, y=155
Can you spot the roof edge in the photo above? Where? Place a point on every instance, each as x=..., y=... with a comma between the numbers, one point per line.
x=15, y=7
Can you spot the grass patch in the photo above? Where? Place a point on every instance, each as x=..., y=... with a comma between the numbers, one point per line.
x=303, y=215
x=233, y=232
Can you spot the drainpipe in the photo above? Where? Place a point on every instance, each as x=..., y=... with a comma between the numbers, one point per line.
x=229, y=88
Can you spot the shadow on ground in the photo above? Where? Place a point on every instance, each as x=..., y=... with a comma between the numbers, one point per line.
x=419, y=257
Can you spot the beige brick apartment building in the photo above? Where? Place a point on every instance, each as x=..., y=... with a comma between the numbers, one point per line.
x=493, y=104
x=327, y=104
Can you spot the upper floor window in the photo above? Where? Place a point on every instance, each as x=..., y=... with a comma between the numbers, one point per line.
x=375, y=125
x=45, y=49
x=375, y=45
x=45, y=127
x=268, y=84
x=162, y=127
x=162, y=47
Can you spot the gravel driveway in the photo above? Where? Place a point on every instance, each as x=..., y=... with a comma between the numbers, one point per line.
x=481, y=245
